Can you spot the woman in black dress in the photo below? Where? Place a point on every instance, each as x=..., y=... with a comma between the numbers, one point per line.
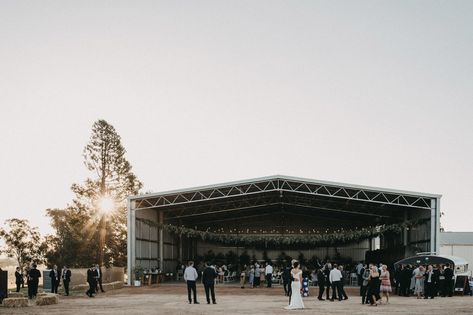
x=373, y=286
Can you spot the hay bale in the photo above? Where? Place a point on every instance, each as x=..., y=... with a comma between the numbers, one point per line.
x=117, y=285
x=43, y=294
x=80, y=287
x=48, y=299
x=107, y=286
x=15, y=302
x=15, y=295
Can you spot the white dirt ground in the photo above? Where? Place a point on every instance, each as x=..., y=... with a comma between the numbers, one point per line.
x=172, y=299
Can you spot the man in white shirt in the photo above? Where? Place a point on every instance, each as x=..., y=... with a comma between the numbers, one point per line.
x=268, y=271
x=190, y=276
x=335, y=277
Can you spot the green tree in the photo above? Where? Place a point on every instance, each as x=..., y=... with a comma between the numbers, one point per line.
x=22, y=242
x=75, y=238
x=95, y=223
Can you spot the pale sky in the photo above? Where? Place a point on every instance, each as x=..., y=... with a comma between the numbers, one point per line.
x=373, y=93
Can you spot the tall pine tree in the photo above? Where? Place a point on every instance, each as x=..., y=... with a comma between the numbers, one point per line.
x=85, y=231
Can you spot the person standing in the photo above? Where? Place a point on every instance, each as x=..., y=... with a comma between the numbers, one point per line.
x=92, y=280
x=99, y=278
x=321, y=283
x=262, y=274
x=66, y=279
x=257, y=279
x=406, y=275
x=360, y=278
x=286, y=280
x=419, y=281
x=342, y=282
x=430, y=281
x=54, y=275
x=190, y=276
x=359, y=273
x=33, y=280
x=251, y=276
x=448, y=274
x=208, y=279
x=327, y=269
x=243, y=277
x=269, y=275
x=364, y=285
x=385, y=287
x=296, y=298
x=335, y=278
x=397, y=280
x=373, y=286
x=441, y=288
x=18, y=279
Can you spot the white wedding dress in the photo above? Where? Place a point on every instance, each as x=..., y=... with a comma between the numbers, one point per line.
x=296, y=297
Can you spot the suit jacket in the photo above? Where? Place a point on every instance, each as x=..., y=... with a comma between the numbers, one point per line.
x=327, y=276
x=434, y=278
x=18, y=277
x=54, y=275
x=34, y=275
x=286, y=274
x=91, y=276
x=448, y=273
x=320, y=277
x=209, y=275
x=67, y=276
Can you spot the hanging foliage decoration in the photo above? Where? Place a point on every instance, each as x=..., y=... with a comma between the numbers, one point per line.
x=285, y=240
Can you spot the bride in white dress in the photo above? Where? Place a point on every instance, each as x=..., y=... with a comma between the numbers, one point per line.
x=296, y=297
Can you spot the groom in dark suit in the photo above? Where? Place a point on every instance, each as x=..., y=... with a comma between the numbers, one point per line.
x=208, y=279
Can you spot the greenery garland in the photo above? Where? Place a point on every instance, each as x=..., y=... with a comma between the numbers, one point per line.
x=287, y=240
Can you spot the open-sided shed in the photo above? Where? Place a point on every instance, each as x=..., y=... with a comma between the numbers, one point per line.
x=273, y=207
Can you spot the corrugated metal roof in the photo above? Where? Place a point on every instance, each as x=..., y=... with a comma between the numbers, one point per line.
x=456, y=238
x=297, y=179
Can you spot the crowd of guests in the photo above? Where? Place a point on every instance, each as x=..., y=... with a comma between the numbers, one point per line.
x=376, y=282
x=32, y=276
x=424, y=281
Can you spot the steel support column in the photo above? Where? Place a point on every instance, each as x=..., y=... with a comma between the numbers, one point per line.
x=131, y=239
x=433, y=225
x=161, y=242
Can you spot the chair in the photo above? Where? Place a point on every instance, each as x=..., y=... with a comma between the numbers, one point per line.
x=353, y=279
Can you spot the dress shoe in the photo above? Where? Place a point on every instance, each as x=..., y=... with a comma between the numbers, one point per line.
x=196, y=302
